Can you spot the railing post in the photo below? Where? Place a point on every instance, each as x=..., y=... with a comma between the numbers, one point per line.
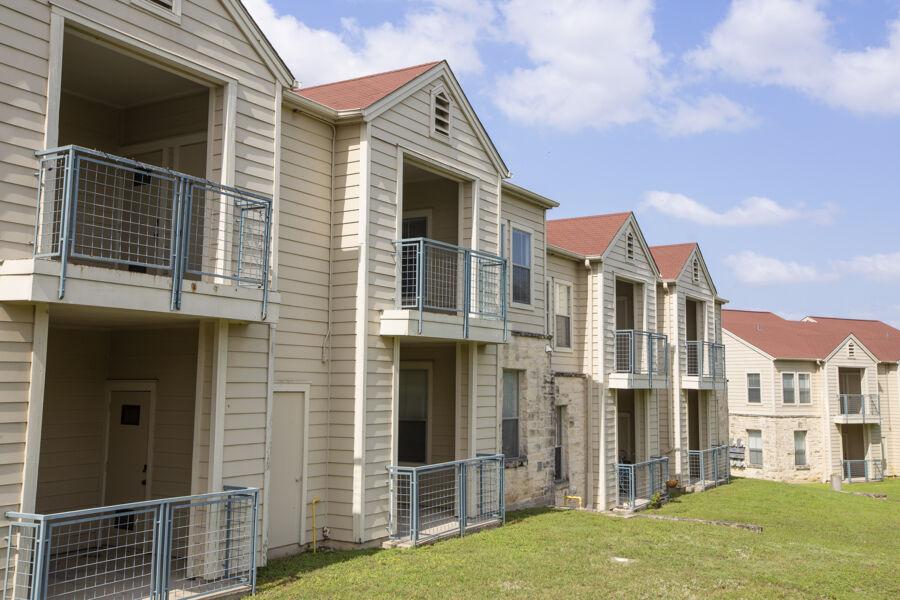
x=178, y=199
x=467, y=296
x=253, y=541
x=420, y=280
x=41, y=570
x=414, y=507
x=501, y=470
x=67, y=203
x=265, y=271
x=463, y=497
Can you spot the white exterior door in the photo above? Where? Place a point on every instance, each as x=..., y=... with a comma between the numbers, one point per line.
x=286, y=501
x=128, y=448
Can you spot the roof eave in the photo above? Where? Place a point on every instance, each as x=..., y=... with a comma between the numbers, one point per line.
x=528, y=195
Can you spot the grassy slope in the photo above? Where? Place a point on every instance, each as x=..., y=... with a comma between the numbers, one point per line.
x=815, y=544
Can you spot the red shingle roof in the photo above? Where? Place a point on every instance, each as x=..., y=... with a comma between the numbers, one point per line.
x=362, y=92
x=670, y=259
x=814, y=338
x=588, y=236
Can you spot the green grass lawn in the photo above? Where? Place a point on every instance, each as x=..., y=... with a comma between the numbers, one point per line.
x=816, y=543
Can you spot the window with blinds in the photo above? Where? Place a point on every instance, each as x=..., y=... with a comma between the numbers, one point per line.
x=756, y=447
x=563, y=335
x=799, y=448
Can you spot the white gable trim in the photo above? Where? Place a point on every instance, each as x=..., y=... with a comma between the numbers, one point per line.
x=631, y=220
x=453, y=88
x=859, y=344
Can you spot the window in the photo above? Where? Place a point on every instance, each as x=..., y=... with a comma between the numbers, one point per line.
x=629, y=246
x=756, y=448
x=787, y=388
x=804, y=387
x=440, y=107
x=563, y=334
x=799, y=448
x=754, y=395
x=558, y=473
x=521, y=261
x=413, y=420
x=511, y=414
x=696, y=270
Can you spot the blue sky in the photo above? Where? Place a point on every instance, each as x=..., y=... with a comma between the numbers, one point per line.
x=766, y=130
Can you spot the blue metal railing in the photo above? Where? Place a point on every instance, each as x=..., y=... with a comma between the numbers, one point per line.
x=705, y=359
x=433, y=501
x=639, y=482
x=444, y=278
x=856, y=407
x=188, y=546
x=864, y=469
x=642, y=353
x=96, y=207
x=710, y=467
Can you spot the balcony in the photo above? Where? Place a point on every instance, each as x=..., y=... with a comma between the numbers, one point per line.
x=115, y=233
x=858, y=409
x=448, y=499
x=447, y=292
x=187, y=547
x=641, y=360
x=640, y=482
x=862, y=470
x=704, y=366
x=708, y=468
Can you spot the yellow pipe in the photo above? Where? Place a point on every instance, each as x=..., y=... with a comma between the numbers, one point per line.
x=313, y=503
x=574, y=498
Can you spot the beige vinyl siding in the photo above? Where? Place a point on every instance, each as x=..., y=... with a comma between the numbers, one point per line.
x=816, y=381
x=301, y=348
x=529, y=217
x=699, y=291
x=889, y=398
x=345, y=266
x=741, y=359
x=16, y=336
x=206, y=37
x=567, y=270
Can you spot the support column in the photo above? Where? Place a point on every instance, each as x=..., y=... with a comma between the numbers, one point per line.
x=473, y=398
x=37, y=377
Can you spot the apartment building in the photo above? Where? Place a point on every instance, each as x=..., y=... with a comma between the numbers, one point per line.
x=635, y=387
x=814, y=398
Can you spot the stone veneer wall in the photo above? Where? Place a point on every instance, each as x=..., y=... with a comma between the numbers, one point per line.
x=778, y=447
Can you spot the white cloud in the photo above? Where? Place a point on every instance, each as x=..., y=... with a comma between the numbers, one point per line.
x=879, y=267
x=755, y=269
x=752, y=211
x=709, y=113
x=433, y=30
x=787, y=43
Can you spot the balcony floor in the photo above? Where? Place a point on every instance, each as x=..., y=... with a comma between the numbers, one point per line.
x=440, y=326
x=637, y=381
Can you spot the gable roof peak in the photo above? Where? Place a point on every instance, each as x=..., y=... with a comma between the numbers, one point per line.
x=587, y=236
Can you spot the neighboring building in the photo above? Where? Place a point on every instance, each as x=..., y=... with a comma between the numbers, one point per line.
x=813, y=398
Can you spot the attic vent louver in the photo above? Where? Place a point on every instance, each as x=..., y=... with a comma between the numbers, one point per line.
x=440, y=108
x=696, y=270
x=629, y=246
x=851, y=349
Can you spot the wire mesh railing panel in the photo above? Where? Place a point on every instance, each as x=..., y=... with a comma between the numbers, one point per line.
x=212, y=545
x=693, y=355
x=439, y=277
x=21, y=560
x=863, y=470
x=228, y=235
x=639, y=484
x=641, y=352
x=178, y=548
x=860, y=405
x=435, y=501
x=709, y=467
x=705, y=359
x=483, y=480
x=95, y=207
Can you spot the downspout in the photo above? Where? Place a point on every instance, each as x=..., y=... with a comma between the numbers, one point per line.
x=589, y=395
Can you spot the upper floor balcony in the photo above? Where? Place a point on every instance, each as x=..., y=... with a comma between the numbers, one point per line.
x=641, y=360
x=704, y=366
x=857, y=409
x=117, y=233
x=448, y=292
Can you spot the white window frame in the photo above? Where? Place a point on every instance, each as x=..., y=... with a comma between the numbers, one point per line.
x=512, y=302
x=155, y=8
x=440, y=135
x=759, y=387
x=561, y=283
x=793, y=379
x=750, y=448
x=799, y=389
x=805, y=463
